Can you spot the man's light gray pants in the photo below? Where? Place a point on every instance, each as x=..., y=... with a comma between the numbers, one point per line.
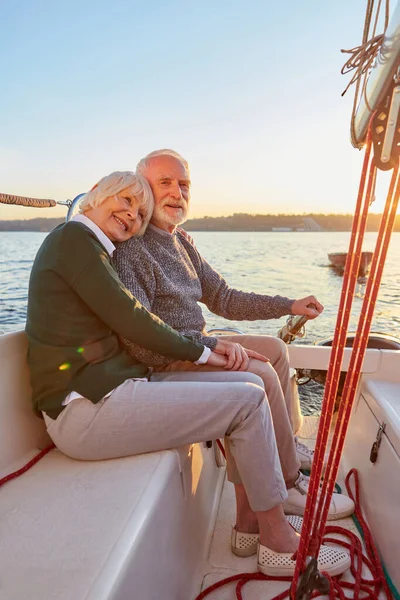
x=275, y=377
x=174, y=409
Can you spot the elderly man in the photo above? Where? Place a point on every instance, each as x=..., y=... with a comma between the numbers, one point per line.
x=167, y=274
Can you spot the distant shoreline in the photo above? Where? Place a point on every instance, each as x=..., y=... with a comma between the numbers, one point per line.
x=236, y=222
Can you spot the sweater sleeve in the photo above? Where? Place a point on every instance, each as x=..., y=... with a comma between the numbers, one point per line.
x=97, y=284
x=234, y=304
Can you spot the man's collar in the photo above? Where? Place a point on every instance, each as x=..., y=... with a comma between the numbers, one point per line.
x=101, y=236
x=161, y=231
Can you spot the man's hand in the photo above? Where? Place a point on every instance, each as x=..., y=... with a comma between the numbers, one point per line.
x=236, y=356
x=300, y=307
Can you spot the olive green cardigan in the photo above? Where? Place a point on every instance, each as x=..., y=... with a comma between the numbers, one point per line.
x=77, y=307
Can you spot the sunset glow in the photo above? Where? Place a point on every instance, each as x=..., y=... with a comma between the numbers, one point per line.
x=248, y=92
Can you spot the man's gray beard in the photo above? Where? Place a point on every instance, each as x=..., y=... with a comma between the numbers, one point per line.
x=160, y=214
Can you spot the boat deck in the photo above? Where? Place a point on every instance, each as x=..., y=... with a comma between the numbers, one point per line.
x=222, y=563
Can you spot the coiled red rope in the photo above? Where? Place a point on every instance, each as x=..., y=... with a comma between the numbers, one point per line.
x=370, y=587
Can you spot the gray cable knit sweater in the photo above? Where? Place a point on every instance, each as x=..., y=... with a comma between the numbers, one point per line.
x=169, y=277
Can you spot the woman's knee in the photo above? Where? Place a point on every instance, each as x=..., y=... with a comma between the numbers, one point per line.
x=253, y=397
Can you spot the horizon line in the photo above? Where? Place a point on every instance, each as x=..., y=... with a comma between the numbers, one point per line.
x=234, y=215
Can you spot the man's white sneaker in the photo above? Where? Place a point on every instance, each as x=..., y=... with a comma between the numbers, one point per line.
x=246, y=544
x=331, y=560
x=341, y=506
x=304, y=454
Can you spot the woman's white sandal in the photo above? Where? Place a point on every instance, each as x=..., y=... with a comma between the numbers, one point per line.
x=246, y=544
x=331, y=560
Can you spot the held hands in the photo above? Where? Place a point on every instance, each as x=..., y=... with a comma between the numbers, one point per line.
x=300, y=307
x=217, y=360
x=232, y=356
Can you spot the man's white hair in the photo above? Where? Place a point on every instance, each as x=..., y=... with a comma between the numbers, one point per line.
x=118, y=181
x=143, y=163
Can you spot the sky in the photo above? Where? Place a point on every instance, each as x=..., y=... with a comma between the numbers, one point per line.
x=249, y=92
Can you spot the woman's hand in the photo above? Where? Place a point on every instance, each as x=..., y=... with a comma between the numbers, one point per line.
x=237, y=357
x=217, y=360
x=300, y=307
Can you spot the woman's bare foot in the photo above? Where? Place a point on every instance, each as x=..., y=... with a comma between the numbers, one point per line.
x=247, y=525
x=246, y=519
x=286, y=541
x=275, y=531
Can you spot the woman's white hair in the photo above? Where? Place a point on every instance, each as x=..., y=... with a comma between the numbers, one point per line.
x=143, y=163
x=110, y=185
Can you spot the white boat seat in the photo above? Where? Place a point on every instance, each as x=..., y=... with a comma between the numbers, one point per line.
x=98, y=530
x=70, y=529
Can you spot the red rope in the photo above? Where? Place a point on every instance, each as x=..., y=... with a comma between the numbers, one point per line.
x=317, y=504
x=28, y=465
x=371, y=548
x=360, y=344
x=317, y=507
x=221, y=447
x=370, y=587
x=310, y=539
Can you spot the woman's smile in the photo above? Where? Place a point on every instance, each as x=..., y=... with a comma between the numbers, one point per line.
x=121, y=222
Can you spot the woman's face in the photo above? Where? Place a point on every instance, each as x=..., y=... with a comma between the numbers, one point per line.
x=119, y=217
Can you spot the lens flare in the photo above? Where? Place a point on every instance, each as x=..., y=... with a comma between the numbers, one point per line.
x=64, y=367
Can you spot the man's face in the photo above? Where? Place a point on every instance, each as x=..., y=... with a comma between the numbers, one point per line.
x=170, y=183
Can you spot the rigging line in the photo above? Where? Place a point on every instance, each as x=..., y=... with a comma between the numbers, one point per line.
x=376, y=274
x=361, y=338
x=26, y=201
x=318, y=455
x=365, y=80
x=334, y=352
x=333, y=376
x=367, y=22
x=353, y=375
x=363, y=57
x=352, y=281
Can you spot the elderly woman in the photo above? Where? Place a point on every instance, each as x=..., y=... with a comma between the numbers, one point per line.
x=100, y=403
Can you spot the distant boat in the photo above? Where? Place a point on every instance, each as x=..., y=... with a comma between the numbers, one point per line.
x=338, y=261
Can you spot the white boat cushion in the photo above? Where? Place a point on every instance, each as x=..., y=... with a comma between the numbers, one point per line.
x=65, y=522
